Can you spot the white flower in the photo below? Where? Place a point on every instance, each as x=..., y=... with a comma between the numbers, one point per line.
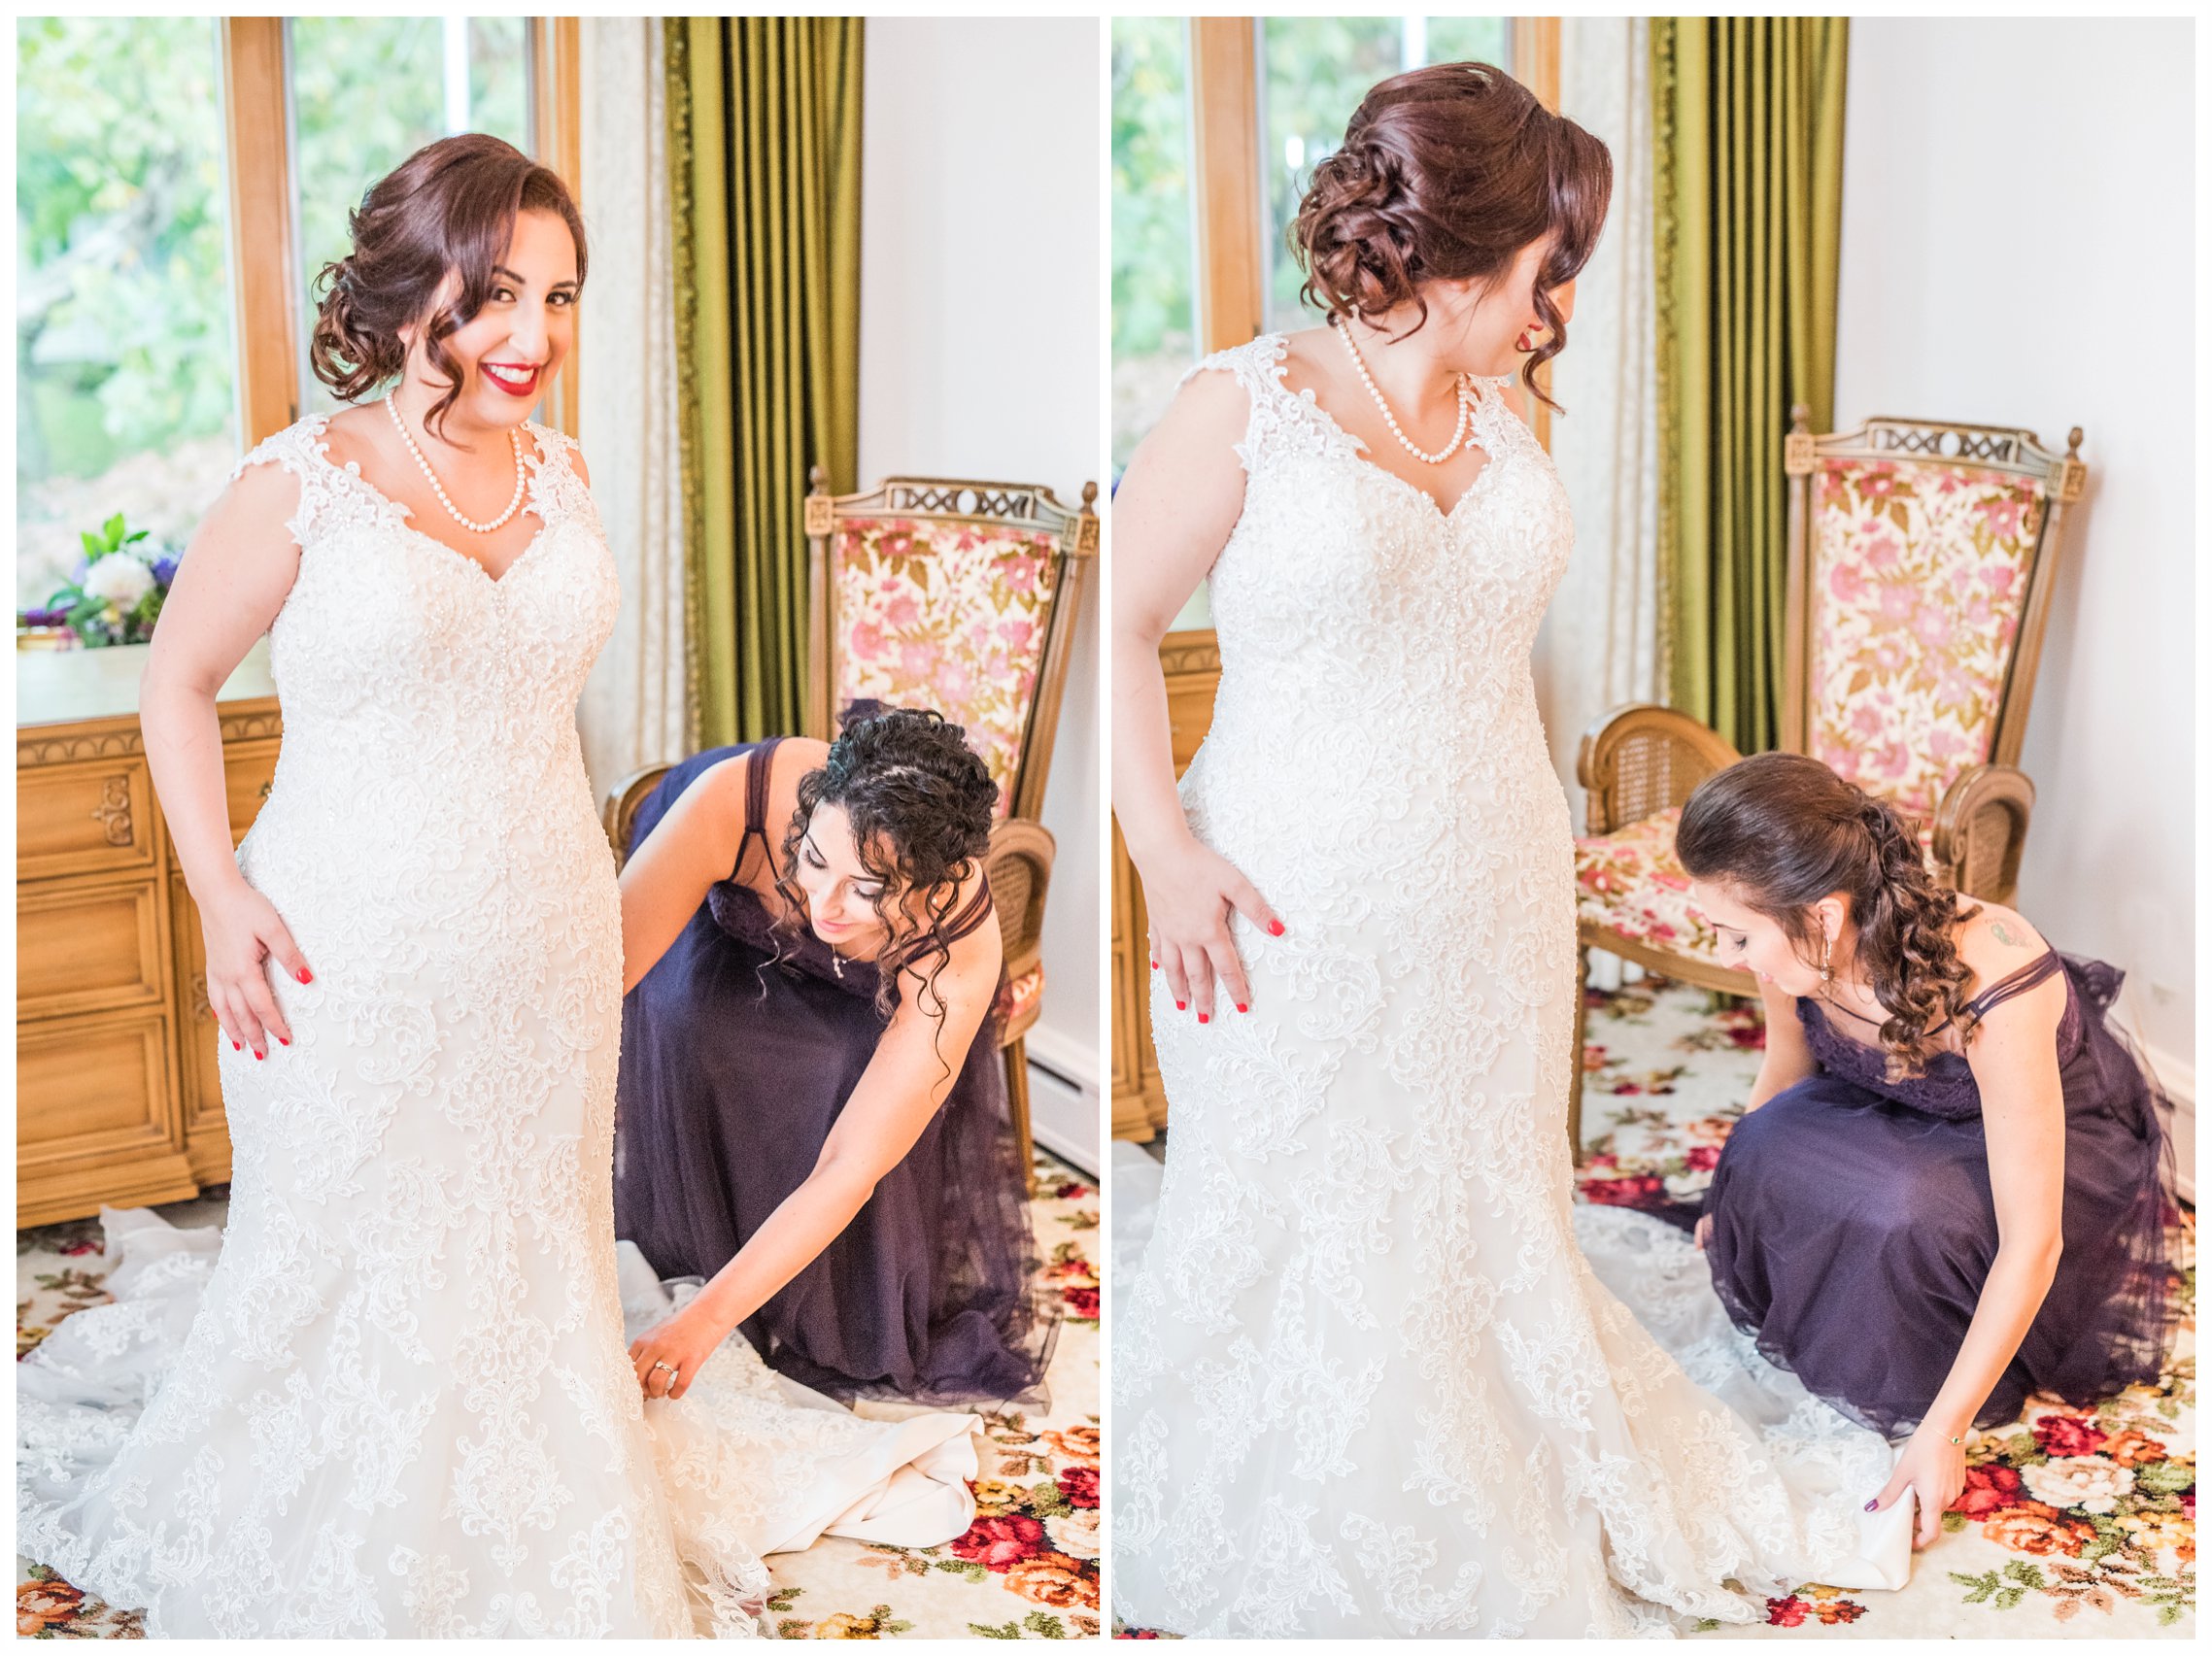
x=1075, y=1533
x=2089, y=1483
x=120, y=578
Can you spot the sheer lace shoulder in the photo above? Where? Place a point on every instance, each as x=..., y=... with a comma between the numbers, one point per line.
x=558, y=490
x=1283, y=422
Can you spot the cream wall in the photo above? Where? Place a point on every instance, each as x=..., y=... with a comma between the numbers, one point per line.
x=979, y=356
x=2018, y=249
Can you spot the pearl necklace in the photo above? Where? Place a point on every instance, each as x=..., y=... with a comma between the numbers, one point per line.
x=514, y=440
x=1459, y=434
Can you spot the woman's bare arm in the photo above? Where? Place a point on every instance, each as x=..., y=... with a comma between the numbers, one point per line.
x=669, y=873
x=230, y=584
x=2014, y=1054
x=1172, y=513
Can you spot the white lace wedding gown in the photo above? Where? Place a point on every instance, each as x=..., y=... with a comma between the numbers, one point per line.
x=1366, y=1382
x=400, y=1402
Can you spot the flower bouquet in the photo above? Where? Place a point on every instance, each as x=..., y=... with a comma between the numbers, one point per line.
x=118, y=593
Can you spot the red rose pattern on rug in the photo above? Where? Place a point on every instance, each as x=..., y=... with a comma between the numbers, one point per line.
x=1026, y=1568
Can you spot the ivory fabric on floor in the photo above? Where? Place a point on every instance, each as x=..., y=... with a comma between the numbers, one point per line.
x=1027, y=1568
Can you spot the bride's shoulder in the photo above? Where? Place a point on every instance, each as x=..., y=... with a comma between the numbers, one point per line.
x=555, y=444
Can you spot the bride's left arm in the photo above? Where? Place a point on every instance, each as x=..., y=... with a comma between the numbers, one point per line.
x=915, y=1064
x=2014, y=1054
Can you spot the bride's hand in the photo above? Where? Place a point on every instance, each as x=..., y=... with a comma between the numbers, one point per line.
x=1188, y=895
x=683, y=1343
x=1935, y=1470
x=244, y=934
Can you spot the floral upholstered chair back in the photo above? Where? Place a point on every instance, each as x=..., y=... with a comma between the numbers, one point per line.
x=1918, y=570
x=954, y=595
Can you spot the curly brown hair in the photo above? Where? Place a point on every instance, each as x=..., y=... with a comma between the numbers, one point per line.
x=1783, y=831
x=449, y=209
x=921, y=803
x=1445, y=174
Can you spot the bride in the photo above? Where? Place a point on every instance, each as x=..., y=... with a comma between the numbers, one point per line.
x=400, y=1402
x=1366, y=1382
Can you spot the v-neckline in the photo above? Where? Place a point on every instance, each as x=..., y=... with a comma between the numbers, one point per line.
x=402, y=515
x=1363, y=454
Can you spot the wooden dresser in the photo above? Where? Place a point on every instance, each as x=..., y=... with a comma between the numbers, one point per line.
x=1192, y=664
x=117, y=1100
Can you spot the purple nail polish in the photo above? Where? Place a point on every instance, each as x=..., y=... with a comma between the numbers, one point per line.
x=1870, y=1506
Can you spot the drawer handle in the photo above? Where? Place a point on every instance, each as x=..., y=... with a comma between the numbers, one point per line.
x=113, y=813
x=266, y=786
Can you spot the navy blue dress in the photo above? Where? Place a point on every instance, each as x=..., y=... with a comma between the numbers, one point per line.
x=1853, y=1227
x=738, y=1050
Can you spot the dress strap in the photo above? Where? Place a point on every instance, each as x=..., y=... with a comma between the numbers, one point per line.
x=2016, y=982
x=972, y=913
x=760, y=766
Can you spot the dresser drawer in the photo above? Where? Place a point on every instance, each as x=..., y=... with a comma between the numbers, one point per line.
x=83, y=818
x=87, y=946
x=92, y=1086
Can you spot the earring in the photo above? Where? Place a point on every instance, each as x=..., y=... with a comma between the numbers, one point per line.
x=1828, y=976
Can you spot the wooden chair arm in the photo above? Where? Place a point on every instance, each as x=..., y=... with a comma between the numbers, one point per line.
x=1019, y=866
x=1981, y=828
x=620, y=811
x=1640, y=758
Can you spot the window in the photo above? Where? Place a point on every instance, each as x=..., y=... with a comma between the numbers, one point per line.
x=125, y=388
x=1155, y=315
x=178, y=183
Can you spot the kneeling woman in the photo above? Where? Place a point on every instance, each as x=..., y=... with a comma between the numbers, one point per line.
x=812, y=1110
x=1951, y=1185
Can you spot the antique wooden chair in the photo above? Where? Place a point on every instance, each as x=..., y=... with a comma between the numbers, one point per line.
x=1922, y=556
x=961, y=596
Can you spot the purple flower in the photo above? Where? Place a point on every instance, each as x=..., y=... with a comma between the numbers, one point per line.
x=164, y=570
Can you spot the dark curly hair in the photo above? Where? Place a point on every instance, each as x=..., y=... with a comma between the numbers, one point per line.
x=1784, y=832
x=921, y=803
x=1446, y=173
x=448, y=207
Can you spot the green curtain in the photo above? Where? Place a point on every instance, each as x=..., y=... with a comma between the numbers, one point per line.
x=764, y=165
x=1748, y=190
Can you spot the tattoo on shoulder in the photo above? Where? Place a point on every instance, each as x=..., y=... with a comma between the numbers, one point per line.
x=2004, y=933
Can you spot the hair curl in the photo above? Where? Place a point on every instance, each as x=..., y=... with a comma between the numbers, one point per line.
x=921, y=803
x=1784, y=832
x=1445, y=174
x=447, y=210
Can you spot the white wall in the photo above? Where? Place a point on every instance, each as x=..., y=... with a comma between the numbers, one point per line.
x=2018, y=249
x=980, y=319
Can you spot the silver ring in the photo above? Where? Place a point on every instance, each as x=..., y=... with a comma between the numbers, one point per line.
x=658, y=1364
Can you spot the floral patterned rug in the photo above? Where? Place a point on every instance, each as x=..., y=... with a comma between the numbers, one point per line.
x=1026, y=1568
x=2075, y=1524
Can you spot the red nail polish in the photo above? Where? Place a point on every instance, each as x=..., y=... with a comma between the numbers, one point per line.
x=1178, y=1006
x=1241, y=1007
x=1275, y=927
x=1202, y=1017
x=280, y=1042
x=1155, y=966
x=306, y=976
x=235, y=1047
x=257, y=1054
